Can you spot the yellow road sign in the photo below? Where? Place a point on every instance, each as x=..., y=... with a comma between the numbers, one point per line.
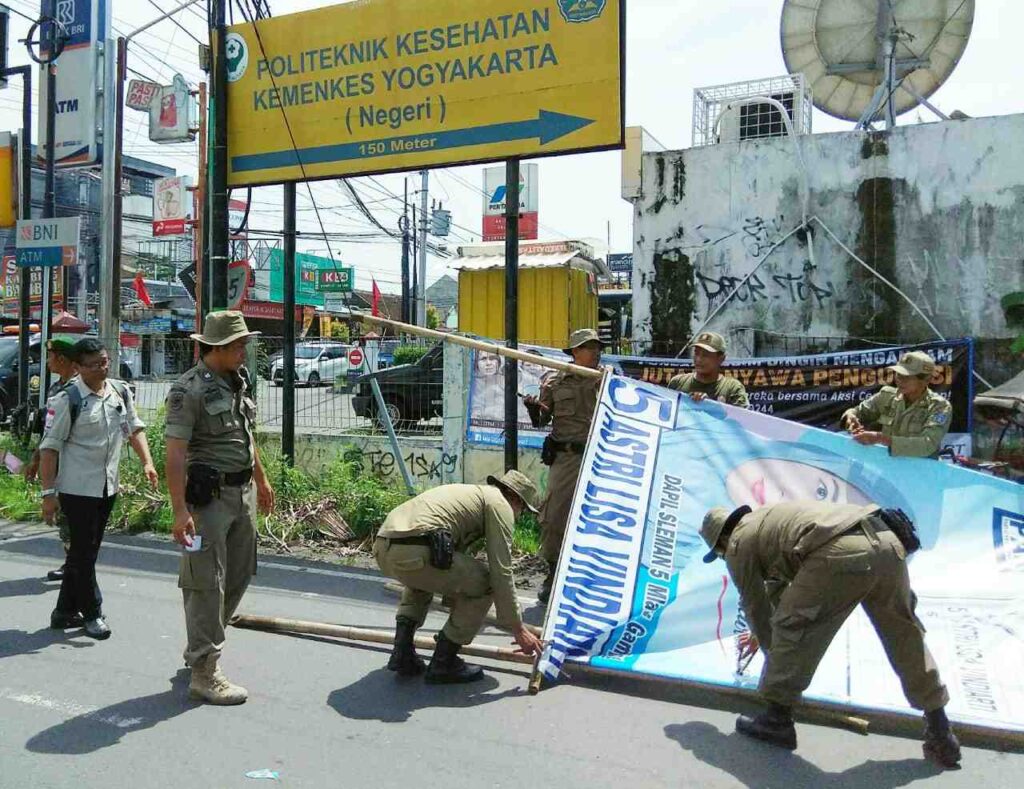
x=382, y=85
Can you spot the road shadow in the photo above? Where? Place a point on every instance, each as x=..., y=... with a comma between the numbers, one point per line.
x=98, y=729
x=383, y=696
x=20, y=642
x=760, y=766
x=25, y=587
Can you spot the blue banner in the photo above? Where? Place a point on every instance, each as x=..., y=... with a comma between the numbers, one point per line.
x=633, y=594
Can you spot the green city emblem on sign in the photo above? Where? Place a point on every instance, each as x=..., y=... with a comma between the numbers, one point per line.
x=335, y=280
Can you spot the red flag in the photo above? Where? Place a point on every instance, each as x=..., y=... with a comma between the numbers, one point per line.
x=140, y=289
x=375, y=309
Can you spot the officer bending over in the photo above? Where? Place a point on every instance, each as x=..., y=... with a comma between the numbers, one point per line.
x=822, y=561
x=425, y=543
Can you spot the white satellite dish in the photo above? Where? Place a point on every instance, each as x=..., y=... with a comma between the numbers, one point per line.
x=866, y=59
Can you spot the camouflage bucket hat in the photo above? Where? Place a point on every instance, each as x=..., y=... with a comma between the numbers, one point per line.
x=521, y=485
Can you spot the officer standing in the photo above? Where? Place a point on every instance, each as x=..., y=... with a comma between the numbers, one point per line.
x=86, y=426
x=568, y=403
x=424, y=543
x=60, y=362
x=909, y=418
x=800, y=569
x=706, y=380
x=212, y=465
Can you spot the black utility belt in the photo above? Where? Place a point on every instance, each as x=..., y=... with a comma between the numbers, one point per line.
x=893, y=520
x=552, y=447
x=203, y=483
x=421, y=539
x=236, y=479
x=440, y=542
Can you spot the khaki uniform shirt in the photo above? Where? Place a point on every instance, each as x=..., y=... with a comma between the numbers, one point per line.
x=725, y=390
x=216, y=415
x=90, y=451
x=916, y=430
x=469, y=512
x=569, y=402
x=769, y=545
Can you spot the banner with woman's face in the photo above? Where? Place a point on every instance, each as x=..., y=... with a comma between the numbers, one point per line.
x=633, y=594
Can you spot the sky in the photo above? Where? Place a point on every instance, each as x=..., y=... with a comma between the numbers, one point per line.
x=673, y=47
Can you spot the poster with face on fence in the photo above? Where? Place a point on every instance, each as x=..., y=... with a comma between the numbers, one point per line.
x=633, y=594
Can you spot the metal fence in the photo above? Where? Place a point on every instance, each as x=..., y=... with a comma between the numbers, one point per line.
x=332, y=396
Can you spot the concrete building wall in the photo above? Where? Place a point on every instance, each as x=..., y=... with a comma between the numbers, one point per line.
x=936, y=209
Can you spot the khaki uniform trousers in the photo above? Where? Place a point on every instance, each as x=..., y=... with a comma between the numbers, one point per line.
x=466, y=583
x=554, y=513
x=855, y=569
x=212, y=580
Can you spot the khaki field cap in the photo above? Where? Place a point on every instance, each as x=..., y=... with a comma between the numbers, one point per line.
x=223, y=327
x=710, y=341
x=914, y=363
x=581, y=337
x=715, y=522
x=518, y=483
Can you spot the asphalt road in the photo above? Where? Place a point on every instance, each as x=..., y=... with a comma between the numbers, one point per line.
x=322, y=713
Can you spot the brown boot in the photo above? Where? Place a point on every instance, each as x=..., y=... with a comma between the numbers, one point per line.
x=210, y=685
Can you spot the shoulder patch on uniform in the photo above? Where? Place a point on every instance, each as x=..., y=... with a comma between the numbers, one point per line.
x=49, y=419
x=206, y=375
x=940, y=419
x=176, y=400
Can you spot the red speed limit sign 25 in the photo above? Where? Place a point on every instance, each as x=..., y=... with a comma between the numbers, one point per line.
x=355, y=357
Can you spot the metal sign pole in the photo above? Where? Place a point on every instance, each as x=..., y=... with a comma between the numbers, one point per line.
x=50, y=202
x=511, y=313
x=288, y=361
x=25, y=204
x=421, y=284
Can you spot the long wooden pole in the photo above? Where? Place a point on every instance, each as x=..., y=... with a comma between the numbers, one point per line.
x=396, y=588
x=480, y=345
x=279, y=625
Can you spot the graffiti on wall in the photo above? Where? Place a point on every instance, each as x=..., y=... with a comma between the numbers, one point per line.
x=423, y=465
x=427, y=465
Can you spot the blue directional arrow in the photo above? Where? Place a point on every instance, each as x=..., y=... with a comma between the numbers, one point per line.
x=546, y=127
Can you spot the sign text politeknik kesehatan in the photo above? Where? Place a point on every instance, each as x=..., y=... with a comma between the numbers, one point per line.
x=398, y=85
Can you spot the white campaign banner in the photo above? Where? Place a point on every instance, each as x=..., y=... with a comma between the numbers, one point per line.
x=633, y=594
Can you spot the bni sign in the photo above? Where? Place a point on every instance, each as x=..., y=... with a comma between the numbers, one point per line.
x=47, y=242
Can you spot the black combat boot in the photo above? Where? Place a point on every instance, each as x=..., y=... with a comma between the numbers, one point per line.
x=447, y=668
x=545, y=588
x=404, y=659
x=773, y=726
x=940, y=744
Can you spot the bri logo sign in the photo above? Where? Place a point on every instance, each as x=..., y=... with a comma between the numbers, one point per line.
x=581, y=10
x=1008, y=535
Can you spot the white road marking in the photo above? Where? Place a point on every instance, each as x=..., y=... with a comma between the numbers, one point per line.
x=69, y=708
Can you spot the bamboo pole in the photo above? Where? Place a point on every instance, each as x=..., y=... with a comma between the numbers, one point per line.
x=275, y=624
x=279, y=625
x=480, y=345
x=396, y=588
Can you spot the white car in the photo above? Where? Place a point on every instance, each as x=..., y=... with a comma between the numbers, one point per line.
x=315, y=364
